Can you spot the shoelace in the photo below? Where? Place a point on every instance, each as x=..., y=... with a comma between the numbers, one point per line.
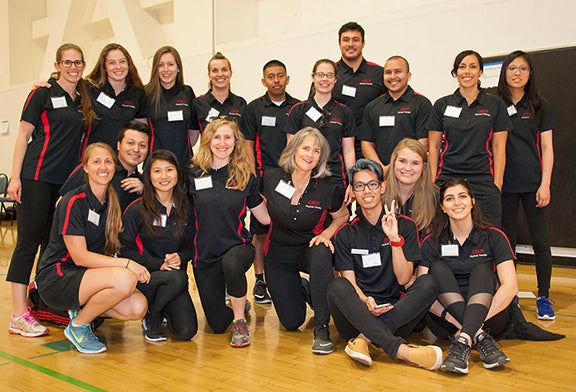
x=30, y=319
x=458, y=350
x=240, y=327
x=487, y=345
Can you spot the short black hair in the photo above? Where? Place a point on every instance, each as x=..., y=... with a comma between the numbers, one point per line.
x=350, y=26
x=134, y=125
x=273, y=63
x=366, y=164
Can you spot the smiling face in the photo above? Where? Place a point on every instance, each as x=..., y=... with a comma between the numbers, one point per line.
x=100, y=166
x=518, y=73
x=307, y=154
x=132, y=149
x=351, y=45
x=324, y=84
x=457, y=203
x=396, y=77
x=116, y=66
x=73, y=73
x=163, y=175
x=368, y=198
x=222, y=144
x=219, y=73
x=167, y=70
x=469, y=72
x=408, y=167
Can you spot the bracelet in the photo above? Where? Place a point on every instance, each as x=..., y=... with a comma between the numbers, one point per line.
x=397, y=243
x=127, y=263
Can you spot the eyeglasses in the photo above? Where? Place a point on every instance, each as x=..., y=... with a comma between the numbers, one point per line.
x=322, y=75
x=325, y=119
x=518, y=69
x=68, y=63
x=361, y=186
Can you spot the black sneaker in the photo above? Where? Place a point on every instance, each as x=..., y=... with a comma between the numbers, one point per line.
x=260, y=293
x=322, y=343
x=490, y=353
x=154, y=329
x=457, y=359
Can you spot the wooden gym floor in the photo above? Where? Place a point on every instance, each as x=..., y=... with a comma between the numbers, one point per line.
x=277, y=360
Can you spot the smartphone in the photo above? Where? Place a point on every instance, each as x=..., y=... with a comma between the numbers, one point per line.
x=382, y=305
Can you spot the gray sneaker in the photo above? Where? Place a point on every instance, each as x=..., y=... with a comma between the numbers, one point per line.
x=240, y=334
x=322, y=343
x=84, y=339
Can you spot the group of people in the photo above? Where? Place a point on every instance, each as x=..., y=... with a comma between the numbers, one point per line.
x=435, y=188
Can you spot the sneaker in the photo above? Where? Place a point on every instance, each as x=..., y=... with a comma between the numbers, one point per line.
x=490, y=353
x=357, y=349
x=84, y=339
x=26, y=325
x=240, y=334
x=306, y=290
x=427, y=357
x=260, y=293
x=457, y=359
x=322, y=343
x=154, y=330
x=545, y=311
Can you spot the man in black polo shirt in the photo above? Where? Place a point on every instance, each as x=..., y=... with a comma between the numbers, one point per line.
x=398, y=114
x=359, y=81
x=263, y=127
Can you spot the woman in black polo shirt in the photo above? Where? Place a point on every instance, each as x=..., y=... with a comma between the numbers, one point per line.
x=529, y=163
x=306, y=209
x=78, y=271
x=159, y=234
x=223, y=188
x=473, y=264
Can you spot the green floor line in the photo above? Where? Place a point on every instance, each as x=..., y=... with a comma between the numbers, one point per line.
x=50, y=372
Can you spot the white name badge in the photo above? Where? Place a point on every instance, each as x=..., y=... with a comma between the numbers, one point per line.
x=285, y=189
x=349, y=91
x=449, y=250
x=268, y=121
x=512, y=110
x=105, y=100
x=356, y=251
x=371, y=260
x=162, y=221
x=175, y=115
x=386, y=121
x=314, y=114
x=203, y=183
x=213, y=113
x=58, y=102
x=93, y=217
x=452, y=111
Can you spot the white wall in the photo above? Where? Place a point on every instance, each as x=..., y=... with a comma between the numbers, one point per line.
x=250, y=32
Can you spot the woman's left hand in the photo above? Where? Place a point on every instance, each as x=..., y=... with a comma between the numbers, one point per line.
x=389, y=222
x=320, y=239
x=542, y=196
x=171, y=261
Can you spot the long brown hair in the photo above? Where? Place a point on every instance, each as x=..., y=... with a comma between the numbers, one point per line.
x=154, y=87
x=114, y=213
x=98, y=76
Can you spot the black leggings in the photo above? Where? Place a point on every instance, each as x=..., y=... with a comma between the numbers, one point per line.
x=227, y=274
x=167, y=294
x=283, y=266
x=389, y=330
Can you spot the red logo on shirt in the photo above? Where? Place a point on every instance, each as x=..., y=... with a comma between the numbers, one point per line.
x=404, y=110
x=314, y=204
x=526, y=115
x=482, y=112
x=366, y=82
x=128, y=104
x=181, y=102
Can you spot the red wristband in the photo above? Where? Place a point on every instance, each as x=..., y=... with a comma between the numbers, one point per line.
x=397, y=243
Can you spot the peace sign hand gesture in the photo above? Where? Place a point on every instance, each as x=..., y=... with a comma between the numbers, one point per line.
x=389, y=222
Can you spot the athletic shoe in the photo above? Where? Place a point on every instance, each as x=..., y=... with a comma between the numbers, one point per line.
x=240, y=334
x=457, y=359
x=322, y=343
x=490, y=353
x=154, y=330
x=545, y=311
x=84, y=339
x=260, y=293
x=357, y=349
x=427, y=357
x=26, y=325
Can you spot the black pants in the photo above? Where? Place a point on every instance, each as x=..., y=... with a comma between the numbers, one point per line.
x=283, y=266
x=167, y=295
x=34, y=222
x=213, y=281
x=537, y=219
x=388, y=330
x=488, y=197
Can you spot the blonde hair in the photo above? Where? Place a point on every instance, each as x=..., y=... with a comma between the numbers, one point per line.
x=239, y=167
x=114, y=213
x=287, y=161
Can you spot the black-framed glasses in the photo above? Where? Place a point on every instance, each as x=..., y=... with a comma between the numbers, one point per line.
x=68, y=63
x=361, y=186
x=325, y=118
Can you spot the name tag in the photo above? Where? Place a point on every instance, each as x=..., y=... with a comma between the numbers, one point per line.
x=314, y=114
x=356, y=251
x=160, y=222
x=386, y=121
x=452, y=111
x=268, y=121
x=105, y=100
x=59, y=102
x=203, y=183
x=93, y=217
x=371, y=260
x=175, y=115
x=285, y=189
x=349, y=91
x=449, y=250
x=212, y=114
x=512, y=110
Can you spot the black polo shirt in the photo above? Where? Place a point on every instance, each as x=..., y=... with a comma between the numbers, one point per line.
x=55, y=147
x=296, y=225
x=79, y=213
x=149, y=248
x=219, y=212
x=170, y=124
x=341, y=125
x=206, y=108
x=355, y=243
x=482, y=246
x=263, y=123
x=114, y=111
x=78, y=178
x=467, y=134
x=387, y=121
x=523, y=154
